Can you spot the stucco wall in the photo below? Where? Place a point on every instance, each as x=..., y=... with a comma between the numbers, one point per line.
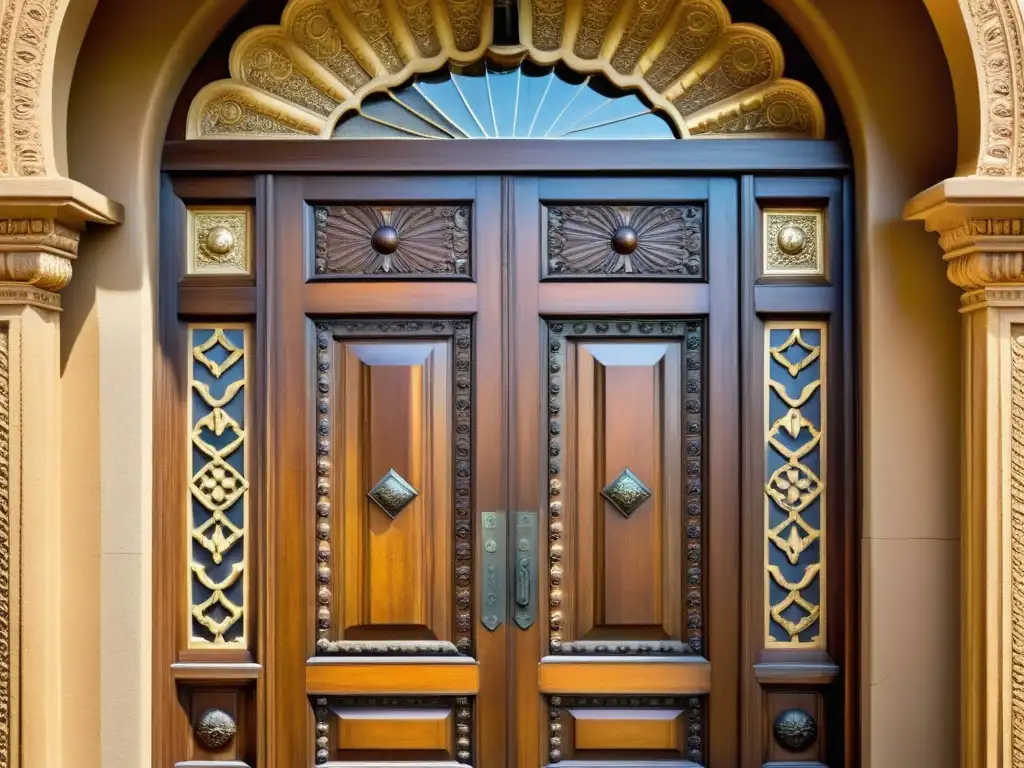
x=889, y=74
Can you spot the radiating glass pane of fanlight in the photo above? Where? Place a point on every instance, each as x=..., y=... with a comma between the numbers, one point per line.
x=487, y=101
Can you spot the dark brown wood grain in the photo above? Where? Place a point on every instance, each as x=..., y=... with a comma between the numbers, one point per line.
x=209, y=189
x=721, y=521
x=625, y=578
x=290, y=540
x=208, y=300
x=375, y=156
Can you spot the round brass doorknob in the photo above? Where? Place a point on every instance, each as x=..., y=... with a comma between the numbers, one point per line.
x=792, y=239
x=385, y=239
x=220, y=240
x=624, y=240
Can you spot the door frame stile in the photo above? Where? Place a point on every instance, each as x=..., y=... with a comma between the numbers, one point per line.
x=526, y=464
x=289, y=565
x=721, y=519
x=491, y=446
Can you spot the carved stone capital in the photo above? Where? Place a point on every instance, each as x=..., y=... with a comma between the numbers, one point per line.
x=37, y=252
x=42, y=270
x=980, y=223
x=41, y=221
x=973, y=270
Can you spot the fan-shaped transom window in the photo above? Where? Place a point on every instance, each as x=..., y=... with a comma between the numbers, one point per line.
x=487, y=102
x=580, y=69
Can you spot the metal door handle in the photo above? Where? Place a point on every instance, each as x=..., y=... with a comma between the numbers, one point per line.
x=524, y=584
x=526, y=561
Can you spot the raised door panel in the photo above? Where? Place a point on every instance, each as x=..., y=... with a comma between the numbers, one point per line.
x=625, y=465
x=649, y=731
x=394, y=444
x=418, y=731
x=396, y=487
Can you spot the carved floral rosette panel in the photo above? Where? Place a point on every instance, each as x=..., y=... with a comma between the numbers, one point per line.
x=394, y=487
x=583, y=728
x=401, y=240
x=706, y=75
x=437, y=728
x=796, y=403
x=644, y=241
x=218, y=485
x=625, y=453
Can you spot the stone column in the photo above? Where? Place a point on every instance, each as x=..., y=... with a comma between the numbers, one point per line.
x=980, y=223
x=40, y=225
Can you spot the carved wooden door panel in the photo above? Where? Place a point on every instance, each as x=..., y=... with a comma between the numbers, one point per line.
x=387, y=326
x=505, y=469
x=628, y=352
x=503, y=495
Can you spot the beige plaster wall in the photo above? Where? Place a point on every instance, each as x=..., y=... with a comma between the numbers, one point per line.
x=890, y=75
x=901, y=115
x=131, y=65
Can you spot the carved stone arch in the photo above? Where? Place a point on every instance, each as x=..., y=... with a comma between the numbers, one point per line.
x=705, y=74
x=997, y=29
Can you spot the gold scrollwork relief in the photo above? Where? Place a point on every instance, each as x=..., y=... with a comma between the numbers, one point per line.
x=794, y=491
x=218, y=499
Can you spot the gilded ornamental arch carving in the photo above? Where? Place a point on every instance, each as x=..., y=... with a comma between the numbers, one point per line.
x=705, y=74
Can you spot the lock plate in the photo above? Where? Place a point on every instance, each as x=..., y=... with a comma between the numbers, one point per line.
x=493, y=565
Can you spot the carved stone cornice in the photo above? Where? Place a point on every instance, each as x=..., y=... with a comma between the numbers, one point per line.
x=980, y=223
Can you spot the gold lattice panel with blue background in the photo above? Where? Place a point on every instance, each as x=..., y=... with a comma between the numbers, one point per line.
x=218, y=498
x=795, y=482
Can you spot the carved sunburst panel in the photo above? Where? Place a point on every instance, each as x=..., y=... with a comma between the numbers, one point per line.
x=640, y=241
x=339, y=68
x=421, y=240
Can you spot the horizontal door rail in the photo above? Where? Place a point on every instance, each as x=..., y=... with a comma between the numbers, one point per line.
x=405, y=677
x=506, y=156
x=608, y=676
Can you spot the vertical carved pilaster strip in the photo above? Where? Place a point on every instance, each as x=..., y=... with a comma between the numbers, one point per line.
x=8, y=641
x=323, y=487
x=218, y=498
x=1017, y=546
x=795, y=481
x=555, y=729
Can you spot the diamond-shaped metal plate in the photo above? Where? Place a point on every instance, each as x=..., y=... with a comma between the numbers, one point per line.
x=626, y=493
x=392, y=493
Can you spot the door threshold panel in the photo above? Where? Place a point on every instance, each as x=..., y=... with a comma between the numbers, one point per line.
x=403, y=677
x=609, y=676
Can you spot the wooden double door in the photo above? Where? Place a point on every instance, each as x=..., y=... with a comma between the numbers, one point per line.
x=504, y=475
